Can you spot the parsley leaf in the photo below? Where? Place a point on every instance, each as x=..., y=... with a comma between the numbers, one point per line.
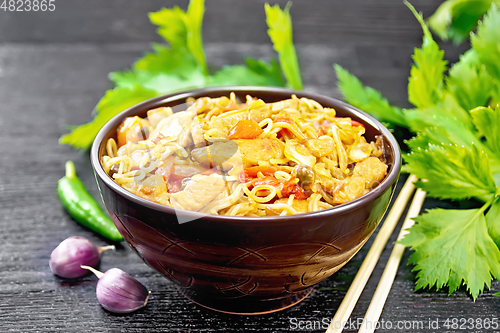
x=254, y=72
x=169, y=60
x=455, y=133
x=160, y=82
x=486, y=42
x=455, y=19
x=453, y=172
x=426, y=75
x=493, y=221
x=367, y=98
x=182, y=65
x=456, y=151
x=419, y=120
x=487, y=121
x=452, y=246
x=280, y=32
x=468, y=83
x=183, y=29
x=113, y=102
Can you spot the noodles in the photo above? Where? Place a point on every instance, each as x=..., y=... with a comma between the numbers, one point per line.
x=284, y=158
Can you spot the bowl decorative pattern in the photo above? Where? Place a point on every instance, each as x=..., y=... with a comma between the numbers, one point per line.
x=246, y=265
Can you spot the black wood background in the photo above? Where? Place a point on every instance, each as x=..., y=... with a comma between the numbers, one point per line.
x=53, y=70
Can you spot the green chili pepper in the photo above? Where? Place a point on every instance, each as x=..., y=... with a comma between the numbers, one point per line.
x=82, y=207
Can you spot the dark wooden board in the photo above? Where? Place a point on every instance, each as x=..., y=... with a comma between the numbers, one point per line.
x=53, y=70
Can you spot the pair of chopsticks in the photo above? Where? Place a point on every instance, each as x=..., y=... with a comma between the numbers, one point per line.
x=377, y=303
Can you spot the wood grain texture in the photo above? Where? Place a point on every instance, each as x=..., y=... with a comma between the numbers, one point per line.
x=53, y=70
x=319, y=21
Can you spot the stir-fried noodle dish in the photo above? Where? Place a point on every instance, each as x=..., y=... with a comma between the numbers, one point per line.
x=227, y=157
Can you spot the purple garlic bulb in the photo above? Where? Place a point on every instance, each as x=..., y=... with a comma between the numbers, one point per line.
x=119, y=292
x=73, y=252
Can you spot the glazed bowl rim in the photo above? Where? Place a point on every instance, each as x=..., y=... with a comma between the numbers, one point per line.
x=182, y=95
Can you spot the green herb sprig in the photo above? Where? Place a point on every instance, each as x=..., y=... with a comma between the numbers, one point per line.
x=182, y=65
x=456, y=153
x=455, y=19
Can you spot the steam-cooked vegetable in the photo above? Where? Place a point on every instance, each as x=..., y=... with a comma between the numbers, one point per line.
x=245, y=129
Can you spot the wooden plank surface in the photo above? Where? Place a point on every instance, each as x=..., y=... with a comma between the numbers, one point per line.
x=53, y=70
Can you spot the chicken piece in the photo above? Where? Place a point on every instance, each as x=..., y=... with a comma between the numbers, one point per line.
x=158, y=114
x=360, y=151
x=179, y=124
x=259, y=150
x=322, y=146
x=372, y=170
x=260, y=114
x=201, y=105
x=350, y=189
x=198, y=133
x=238, y=152
x=198, y=193
x=185, y=137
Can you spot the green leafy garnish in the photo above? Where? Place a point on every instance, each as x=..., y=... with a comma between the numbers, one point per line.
x=487, y=122
x=493, y=222
x=255, y=72
x=455, y=153
x=182, y=65
x=455, y=19
x=367, y=98
x=453, y=172
x=183, y=29
x=469, y=83
x=111, y=104
x=280, y=31
x=486, y=45
x=426, y=76
x=451, y=247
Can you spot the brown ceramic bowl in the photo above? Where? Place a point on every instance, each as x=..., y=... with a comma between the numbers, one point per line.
x=246, y=265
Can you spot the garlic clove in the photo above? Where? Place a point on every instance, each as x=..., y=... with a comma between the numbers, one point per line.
x=119, y=292
x=73, y=252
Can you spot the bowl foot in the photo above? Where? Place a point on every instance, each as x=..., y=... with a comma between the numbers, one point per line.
x=245, y=305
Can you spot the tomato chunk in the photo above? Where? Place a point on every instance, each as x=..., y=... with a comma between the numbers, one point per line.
x=357, y=124
x=290, y=187
x=284, y=119
x=245, y=129
x=249, y=173
x=131, y=129
x=268, y=180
